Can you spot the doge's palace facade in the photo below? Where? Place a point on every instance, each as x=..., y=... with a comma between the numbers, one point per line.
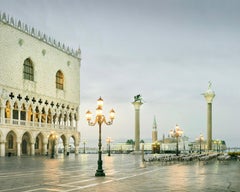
x=39, y=91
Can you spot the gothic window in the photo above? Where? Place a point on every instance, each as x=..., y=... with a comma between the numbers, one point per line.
x=15, y=111
x=23, y=112
x=49, y=117
x=37, y=115
x=43, y=118
x=30, y=113
x=59, y=80
x=8, y=110
x=28, y=70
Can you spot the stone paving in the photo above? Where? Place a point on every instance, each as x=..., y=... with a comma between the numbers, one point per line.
x=123, y=173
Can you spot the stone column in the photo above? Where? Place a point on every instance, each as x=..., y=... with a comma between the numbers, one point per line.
x=40, y=119
x=209, y=95
x=11, y=115
x=76, y=144
x=137, y=104
x=66, y=150
x=18, y=149
x=56, y=147
x=2, y=120
x=71, y=120
x=45, y=147
x=32, y=149
x=19, y=115
x=2, y=149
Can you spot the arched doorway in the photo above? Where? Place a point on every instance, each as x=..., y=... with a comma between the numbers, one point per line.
x=72, y=144
x=11, y=144
x=26, y=144
x=39, y=149
x=52, y=145
x=62, y=144
x=24, y=147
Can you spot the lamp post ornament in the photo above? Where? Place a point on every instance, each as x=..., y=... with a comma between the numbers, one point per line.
x=176, y=133
x=100, y=119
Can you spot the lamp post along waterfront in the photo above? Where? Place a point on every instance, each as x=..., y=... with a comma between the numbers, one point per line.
x=100, y=119
x=200, y=139
x=176, y=133
x=84, y=146
x=108, y=140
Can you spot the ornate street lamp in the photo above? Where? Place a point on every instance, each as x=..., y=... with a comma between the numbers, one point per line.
x=176, y=133
x=100, y=119
x=200, y=139
x=108, y=140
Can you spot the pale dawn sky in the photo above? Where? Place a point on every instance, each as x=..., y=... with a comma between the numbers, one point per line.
x=165, y=50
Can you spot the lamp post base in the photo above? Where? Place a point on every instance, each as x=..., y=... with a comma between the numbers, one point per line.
x=100, y=173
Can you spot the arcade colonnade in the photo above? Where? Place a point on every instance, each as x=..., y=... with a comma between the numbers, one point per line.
x=32, y=125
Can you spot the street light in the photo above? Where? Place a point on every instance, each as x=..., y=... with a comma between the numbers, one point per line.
x=108, y=140
x=218, y=143
x=200, y=139
x=84, y=143
x=100, y=119
x=176, y=133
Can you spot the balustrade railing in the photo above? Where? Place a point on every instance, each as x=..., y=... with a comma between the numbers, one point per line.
x=40, y=125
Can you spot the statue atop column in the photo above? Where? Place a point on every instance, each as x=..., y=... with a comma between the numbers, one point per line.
x=138, y=98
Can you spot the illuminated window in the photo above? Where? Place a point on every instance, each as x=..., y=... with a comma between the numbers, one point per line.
x=59, y=80
x=28, y=70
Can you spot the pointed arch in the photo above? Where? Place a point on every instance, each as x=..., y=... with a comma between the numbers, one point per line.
x=72, y=144
x=11, y=143
x=37, y=117
x=49, y=116
x=59, y=80
x=8, y=110
x=23, y=113
x=30, y=113
x=39, y=148
x=26, y=143
x=15, y=113
x=43, y=115
x=28, y=70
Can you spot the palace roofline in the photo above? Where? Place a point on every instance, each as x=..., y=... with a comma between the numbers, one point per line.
x=17, y=24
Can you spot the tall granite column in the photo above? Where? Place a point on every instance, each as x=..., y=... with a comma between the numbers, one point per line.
x=137, y=104
x=209, y=95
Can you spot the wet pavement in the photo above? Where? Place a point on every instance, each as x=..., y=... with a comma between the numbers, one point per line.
x=123, y=173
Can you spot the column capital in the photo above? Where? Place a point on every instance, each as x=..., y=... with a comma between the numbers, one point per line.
x=209, y=94
x=137, y=104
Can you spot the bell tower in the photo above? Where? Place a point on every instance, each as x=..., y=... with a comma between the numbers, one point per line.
x=154, y=131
